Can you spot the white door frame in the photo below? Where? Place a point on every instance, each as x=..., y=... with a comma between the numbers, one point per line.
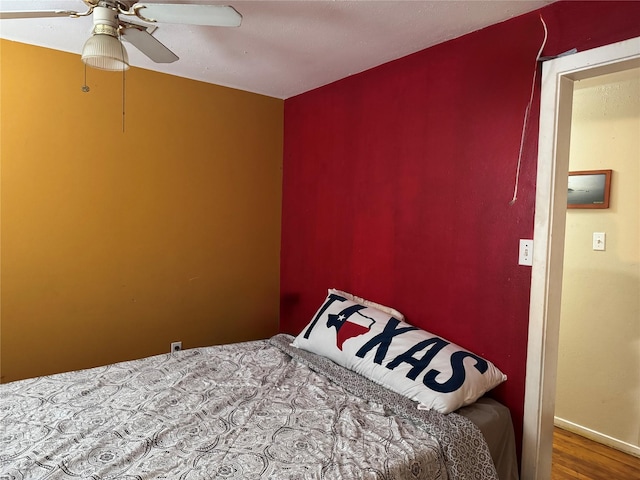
x=558, y=77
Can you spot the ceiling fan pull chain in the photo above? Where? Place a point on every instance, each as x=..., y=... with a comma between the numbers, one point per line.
x=85, y=87
x=123, y=96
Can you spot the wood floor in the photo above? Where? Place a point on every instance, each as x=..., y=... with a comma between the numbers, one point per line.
x=576, y=457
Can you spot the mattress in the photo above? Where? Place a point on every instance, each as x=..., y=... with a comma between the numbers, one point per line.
x=252, y=410
x=494, y=421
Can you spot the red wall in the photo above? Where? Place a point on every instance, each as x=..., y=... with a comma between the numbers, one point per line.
x=397, y=183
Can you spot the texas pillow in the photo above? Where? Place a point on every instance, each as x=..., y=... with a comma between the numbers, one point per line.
x=438, y=374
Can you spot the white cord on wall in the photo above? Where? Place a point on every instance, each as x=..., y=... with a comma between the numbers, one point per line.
x=526, y=113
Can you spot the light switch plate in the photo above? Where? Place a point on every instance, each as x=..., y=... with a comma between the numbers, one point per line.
x=525, y=256
x=599, y=241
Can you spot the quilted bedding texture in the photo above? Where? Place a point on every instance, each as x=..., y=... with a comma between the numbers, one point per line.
x=253, y=410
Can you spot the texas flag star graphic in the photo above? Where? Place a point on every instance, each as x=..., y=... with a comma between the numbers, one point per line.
x=349, y=327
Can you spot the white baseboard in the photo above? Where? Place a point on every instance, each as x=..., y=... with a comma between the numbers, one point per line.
x=597, y=436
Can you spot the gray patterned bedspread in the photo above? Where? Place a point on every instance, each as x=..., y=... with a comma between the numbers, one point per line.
x=253, y=410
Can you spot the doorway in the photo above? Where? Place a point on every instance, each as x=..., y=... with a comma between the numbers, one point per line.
x=558, y=78
x=598, y=375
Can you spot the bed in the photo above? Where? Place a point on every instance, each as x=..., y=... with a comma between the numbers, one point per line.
x=251, y=410
x=263, y=409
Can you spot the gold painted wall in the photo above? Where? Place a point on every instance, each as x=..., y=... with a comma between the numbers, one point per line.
x=116, y=243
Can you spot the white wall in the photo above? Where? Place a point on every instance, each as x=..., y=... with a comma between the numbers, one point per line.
x=598, y=384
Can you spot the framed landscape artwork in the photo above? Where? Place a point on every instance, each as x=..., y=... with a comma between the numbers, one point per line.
x=589, y=189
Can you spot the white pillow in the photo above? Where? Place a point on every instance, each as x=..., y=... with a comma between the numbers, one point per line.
x=438, y=374
x=388, y=310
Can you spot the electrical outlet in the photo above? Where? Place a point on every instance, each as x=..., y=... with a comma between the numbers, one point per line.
x=176, y=346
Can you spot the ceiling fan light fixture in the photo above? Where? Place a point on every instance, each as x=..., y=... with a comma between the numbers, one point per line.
x=105, y=51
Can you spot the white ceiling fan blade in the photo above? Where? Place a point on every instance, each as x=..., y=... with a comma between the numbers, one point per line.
x=211, y=15
x=148, y=45
x=37, y=14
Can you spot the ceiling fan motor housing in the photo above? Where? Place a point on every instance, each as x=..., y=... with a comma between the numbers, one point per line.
x=105, y=21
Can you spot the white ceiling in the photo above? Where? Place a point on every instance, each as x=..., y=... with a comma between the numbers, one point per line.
x=282, y=48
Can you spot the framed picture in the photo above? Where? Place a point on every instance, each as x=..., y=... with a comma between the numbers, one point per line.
x=589, y=189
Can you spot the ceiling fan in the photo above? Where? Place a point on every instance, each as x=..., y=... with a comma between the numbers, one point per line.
x=104, y=49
